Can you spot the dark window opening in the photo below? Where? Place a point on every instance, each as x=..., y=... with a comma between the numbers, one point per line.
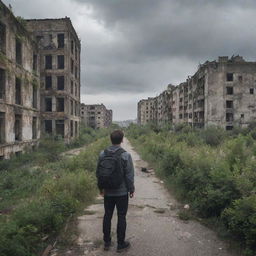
x=60, y=82
x=72, y=108
x=18, y=128
x=72, y=66
x=48, y=82
x=72, y=87
x=76, y=128
x=76, y=55
x=71, y=129
x=230, y=91
x=242, y=115
x=61, y=62
x=2, y=37
x=2, y=127
x=229, y=127
x=60, y=128
x=34, y=128
x=2, y=83
x=18, y=52
x=18, y=153
x=34, y=103
x=48, y=104
x=229, y=117
x=60, y=40
x=229, y=104
x=60, y=104
x=48, y=126
x=18, y=91
x=76, y=72
x=251, y=90
x=75, y=105
x=190, y=115
x=72, y=46
x=180, y=116
x=48, y=62
x=34, y=62
x=230, y=77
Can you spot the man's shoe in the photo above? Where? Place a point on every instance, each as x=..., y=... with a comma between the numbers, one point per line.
x=107, y=246
x=123, y=247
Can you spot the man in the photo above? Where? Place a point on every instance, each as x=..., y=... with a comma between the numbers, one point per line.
x=115, y=190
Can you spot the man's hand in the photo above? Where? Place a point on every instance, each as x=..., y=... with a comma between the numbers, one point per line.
x=132, y=195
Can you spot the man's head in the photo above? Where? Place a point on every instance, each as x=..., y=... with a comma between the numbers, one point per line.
x=117, y=137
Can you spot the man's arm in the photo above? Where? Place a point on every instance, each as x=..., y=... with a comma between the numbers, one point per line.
x=129, y=174
x=97, y=172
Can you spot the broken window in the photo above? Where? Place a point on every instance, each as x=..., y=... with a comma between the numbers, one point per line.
x=60, y=40
x=71, y=129
x=2, y=83
x=18, y=51
x=34, y=128
x=72, y=66
x=60, y=82
x=242, y=115
x=230, y=90
x=230, y=77
x=180, y=116
x=18, y=91
x=18, y=128
x=34, y=103
x=190, y=115
x=76, y=72
x=48, y=61
x=2, y=127
x=48, y=126
x=76, y=53
x=76, y=128
x=2, y=37
x=61, y=62
x=60, y=128
x=229, y=117
x=72, y=87
x=229, y=104
x=48, y=104
x=229, y=127
x=72, y=47
x=251, y=90
x=34, y=62
x=72, y=108
x=60, y=104
x=48, y=82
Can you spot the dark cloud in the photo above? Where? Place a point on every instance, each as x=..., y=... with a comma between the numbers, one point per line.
x=136, y=46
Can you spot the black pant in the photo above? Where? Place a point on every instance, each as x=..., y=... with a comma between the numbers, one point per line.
x=121, y=203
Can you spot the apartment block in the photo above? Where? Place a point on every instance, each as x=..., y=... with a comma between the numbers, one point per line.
x=221, y=92
x=19, y=86
x=59, y=48
x=96, y=116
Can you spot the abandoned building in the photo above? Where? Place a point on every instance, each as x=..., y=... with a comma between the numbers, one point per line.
x=39, y=81
x=19, y=86
x=220, y=93
x=59, y=49
x=96, y=116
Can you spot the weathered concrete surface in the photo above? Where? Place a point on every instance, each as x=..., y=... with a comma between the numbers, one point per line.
x=149, y=232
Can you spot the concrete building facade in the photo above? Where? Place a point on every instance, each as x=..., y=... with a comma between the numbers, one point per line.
x=59, y=48
x=96, y=116
x=221, y=93
x=19, y=86
x=39, y=81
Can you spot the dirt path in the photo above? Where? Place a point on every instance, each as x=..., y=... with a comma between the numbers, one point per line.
x=153, y=225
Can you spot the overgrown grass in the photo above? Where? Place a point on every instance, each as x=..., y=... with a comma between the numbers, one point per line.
x=212, y=169
x=40, y=190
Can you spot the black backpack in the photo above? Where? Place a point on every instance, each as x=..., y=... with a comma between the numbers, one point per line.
x=110, y=172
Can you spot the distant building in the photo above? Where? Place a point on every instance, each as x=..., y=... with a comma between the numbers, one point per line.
x=96, y=116
x=220, y=93
x=59, y=48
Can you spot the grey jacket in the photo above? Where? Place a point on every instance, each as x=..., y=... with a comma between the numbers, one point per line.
x=128, y=183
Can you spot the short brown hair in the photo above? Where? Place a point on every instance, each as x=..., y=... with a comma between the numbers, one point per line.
x=116, y=137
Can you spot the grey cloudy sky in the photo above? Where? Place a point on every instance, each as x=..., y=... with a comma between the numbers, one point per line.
x=132, y=49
